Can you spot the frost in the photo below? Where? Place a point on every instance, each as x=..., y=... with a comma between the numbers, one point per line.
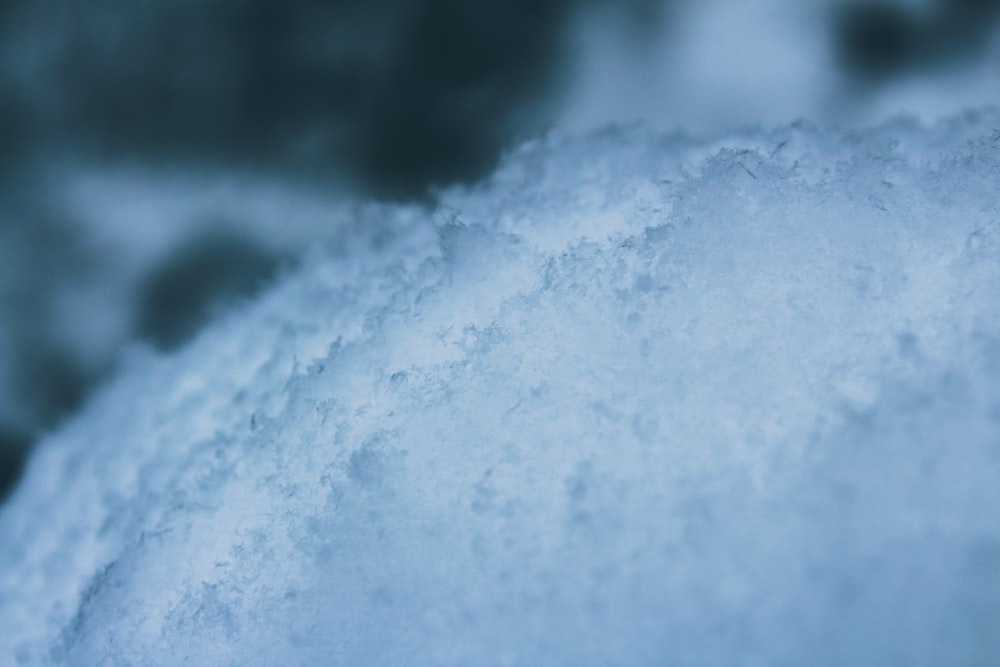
x=638, y=400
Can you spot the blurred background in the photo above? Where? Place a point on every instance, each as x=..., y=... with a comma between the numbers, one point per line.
x=162, y=160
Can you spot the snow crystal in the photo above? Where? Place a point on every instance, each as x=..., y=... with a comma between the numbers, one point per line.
x=638, y=400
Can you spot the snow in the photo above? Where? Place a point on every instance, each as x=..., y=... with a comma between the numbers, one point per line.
x=639, y=399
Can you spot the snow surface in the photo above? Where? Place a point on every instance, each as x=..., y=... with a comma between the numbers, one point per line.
x=638, y=400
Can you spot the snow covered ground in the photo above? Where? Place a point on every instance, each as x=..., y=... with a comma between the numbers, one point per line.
x=638, y=399
x=656, y=392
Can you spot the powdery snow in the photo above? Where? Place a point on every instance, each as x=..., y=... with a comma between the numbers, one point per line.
x=638, y=400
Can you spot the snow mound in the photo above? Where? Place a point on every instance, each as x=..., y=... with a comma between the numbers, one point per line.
x=638, y=400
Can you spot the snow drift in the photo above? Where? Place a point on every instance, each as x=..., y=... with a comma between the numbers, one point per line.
x=637, y=400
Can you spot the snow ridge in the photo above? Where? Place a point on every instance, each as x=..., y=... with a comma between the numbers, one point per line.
x=637, y=400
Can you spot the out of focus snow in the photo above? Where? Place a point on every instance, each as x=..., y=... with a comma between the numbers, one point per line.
x=639, y=399
x=716, y=64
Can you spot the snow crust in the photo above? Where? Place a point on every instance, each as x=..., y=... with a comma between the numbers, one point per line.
x=638, y=400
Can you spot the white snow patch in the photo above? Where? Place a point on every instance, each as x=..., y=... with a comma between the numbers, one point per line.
x=638, y=400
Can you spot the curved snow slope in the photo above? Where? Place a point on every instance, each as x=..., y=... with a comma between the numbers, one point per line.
x=639, y=400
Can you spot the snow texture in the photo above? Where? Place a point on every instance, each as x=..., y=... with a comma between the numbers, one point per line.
x=638, y=400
